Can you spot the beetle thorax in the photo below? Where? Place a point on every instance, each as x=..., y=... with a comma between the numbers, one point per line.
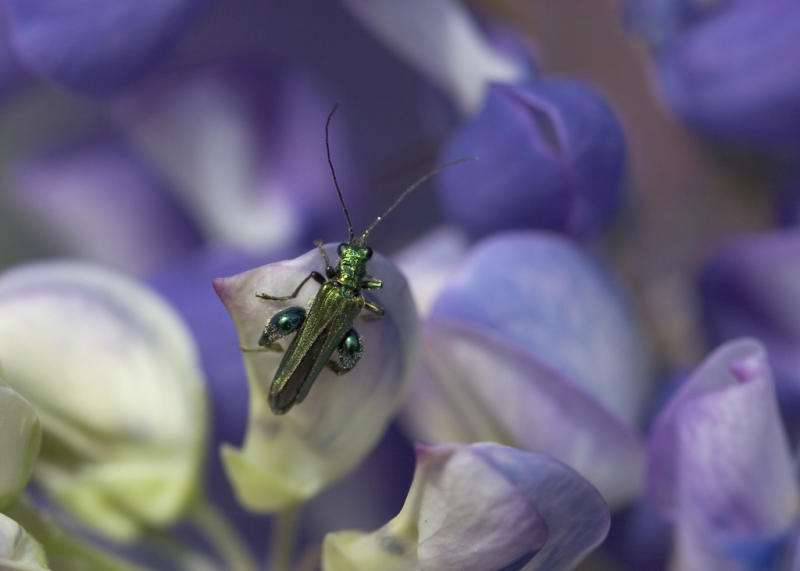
x=352, y=265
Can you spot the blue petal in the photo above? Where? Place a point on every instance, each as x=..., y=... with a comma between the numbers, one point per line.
x=94, y=45
x=551, y=155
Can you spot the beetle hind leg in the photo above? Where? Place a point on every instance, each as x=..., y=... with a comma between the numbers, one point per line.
x=350, y=350
x=280, y=325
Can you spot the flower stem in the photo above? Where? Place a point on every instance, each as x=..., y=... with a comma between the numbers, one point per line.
x=284, y=530
x=64, y=550
x=223, y=536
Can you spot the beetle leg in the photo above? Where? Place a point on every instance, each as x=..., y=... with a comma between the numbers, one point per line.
x=317, y=277
x=330, y=271
x=281, y=324
x=376, y=311
x=274, y=347
x=371, y=283
x=336, y=367
x=350, y=348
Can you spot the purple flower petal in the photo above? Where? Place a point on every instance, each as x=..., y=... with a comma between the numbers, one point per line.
x=99, y=202
x=95, y=46
x=542, y=294
x=723, y=77
x=490, y=529
x=288, y=458
x=720, y=465
x=481, y=506
x=576, y=516
x=489, y=389
x=751, y=287
x=551, y=155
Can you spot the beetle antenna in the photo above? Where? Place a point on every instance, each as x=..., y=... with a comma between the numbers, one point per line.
x=333, y=172
x=408, y=190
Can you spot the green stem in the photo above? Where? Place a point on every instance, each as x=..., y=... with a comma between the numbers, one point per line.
x=284, y=530
x=222, y=536
x=65, y=551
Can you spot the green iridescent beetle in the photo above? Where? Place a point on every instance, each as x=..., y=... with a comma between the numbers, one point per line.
x=327, y=325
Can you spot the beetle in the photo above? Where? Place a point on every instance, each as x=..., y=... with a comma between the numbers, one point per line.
x=327, y=325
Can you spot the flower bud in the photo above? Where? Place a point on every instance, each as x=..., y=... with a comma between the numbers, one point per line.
x=112, y=373
x=720, y=467
x=551, y=154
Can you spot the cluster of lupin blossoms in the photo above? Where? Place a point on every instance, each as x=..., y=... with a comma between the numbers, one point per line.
x=590, y=352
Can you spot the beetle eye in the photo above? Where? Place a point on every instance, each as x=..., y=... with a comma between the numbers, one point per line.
x=369, y=252
x=340, y=249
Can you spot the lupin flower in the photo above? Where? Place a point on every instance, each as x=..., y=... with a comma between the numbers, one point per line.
x=552, y=152
x=720, y=468
x=531, y=345
x=113, y=375
x=751, y=287
x=288, y=458
x=717, y=75
x=102, y=46
x=481, y=506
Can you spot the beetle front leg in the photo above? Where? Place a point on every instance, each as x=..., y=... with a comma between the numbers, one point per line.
x=317, y=277
x=371, y=283
x=330, y=271
x=376, y=311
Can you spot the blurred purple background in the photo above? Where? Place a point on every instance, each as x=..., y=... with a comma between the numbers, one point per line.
x=660, y=138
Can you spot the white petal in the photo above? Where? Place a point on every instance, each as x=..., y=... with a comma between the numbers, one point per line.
x=20, y=436
x=430, y=262
x=201, y=135
x=18, y=550
x=480, y=506
x=287, y=459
